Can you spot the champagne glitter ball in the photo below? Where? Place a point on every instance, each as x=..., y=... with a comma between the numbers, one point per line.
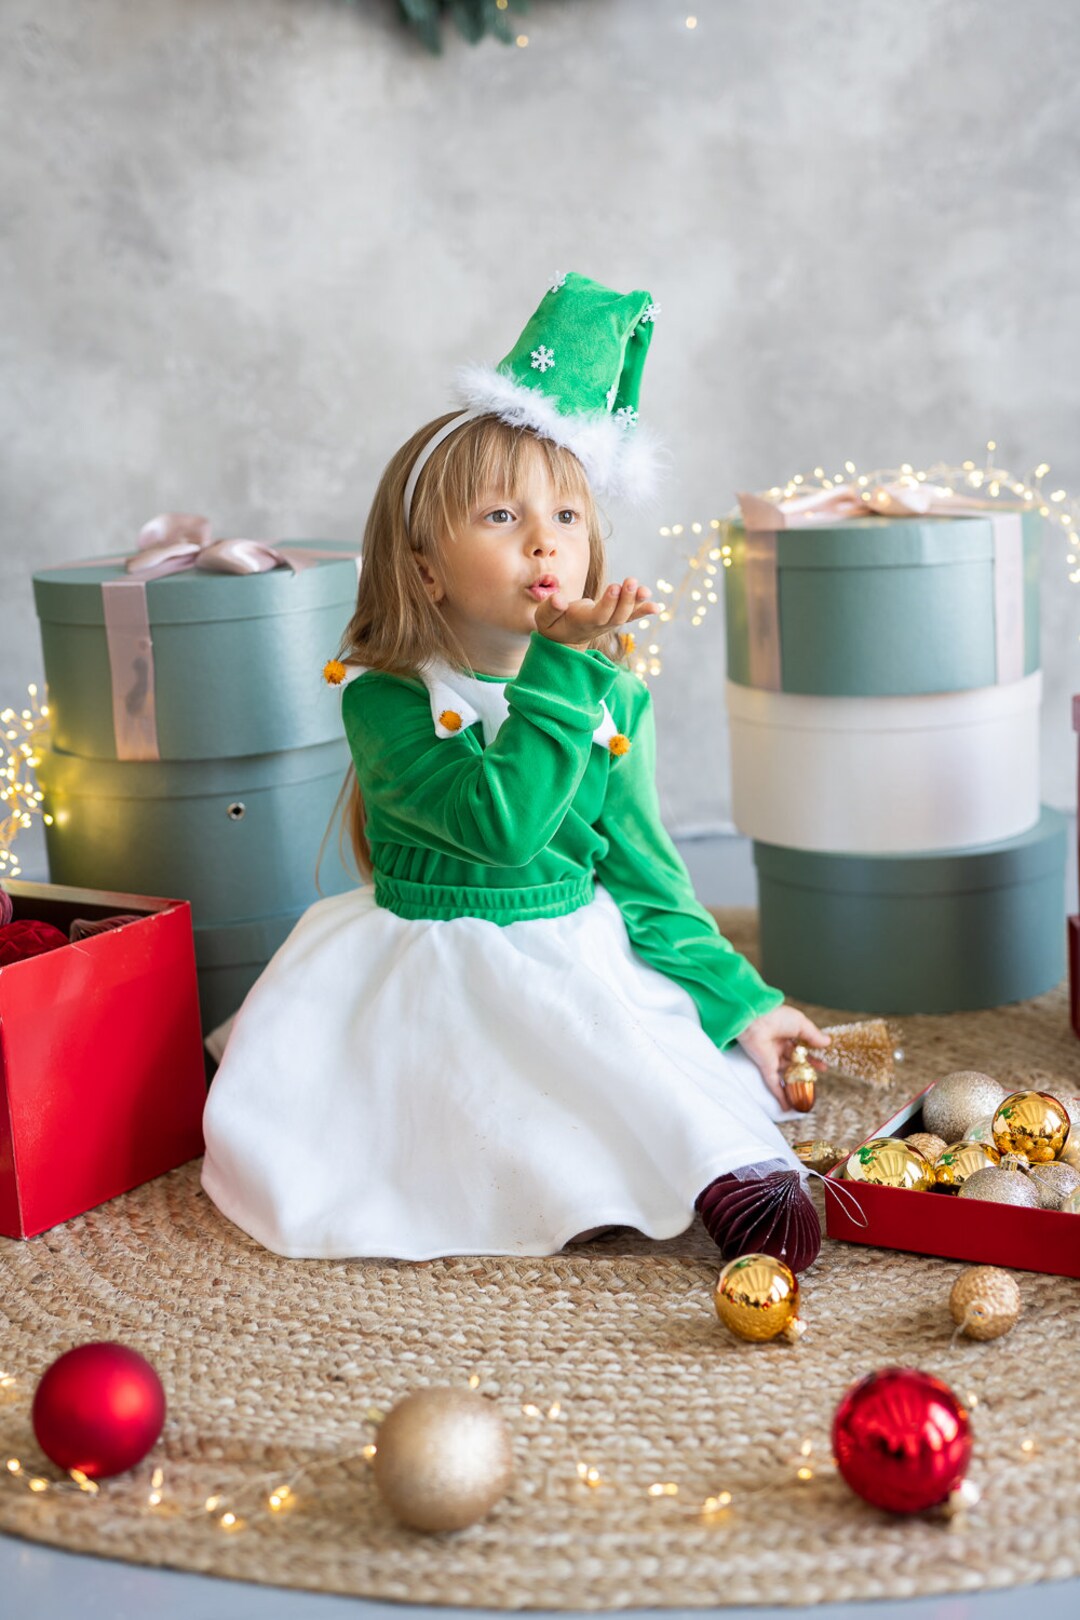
x=960, y=1160
x=1033, y=1123
x=757, y=1297
x=959, y=1101
x=1053, y=1182
x=930, y=1146
x=985, y=1302
x=1000, y=1186
x=443, y=1458
x=888, y=1161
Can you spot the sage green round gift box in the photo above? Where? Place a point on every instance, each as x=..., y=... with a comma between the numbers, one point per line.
x=880, y=607
x=229, y=958
x=238, y=838
x=237, y=658
x=947, y=932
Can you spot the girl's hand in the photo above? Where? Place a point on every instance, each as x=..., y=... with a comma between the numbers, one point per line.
x=769, y=1041
x=577, y=623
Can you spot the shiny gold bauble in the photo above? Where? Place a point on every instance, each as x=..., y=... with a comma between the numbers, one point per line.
x=889, y=1161
x=1070, y=1204
x=985, y=1302
x=958, y=1101
x=930, y=1146
x=961, y=1160
x=757, y=1297
x=443, y=1458
x=799, y=1082
x=1053, y=1182
x=982, y=1130
x=1000, y=1186
x=1032, y=1123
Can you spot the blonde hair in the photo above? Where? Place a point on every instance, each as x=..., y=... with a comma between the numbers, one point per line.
x=396, y=626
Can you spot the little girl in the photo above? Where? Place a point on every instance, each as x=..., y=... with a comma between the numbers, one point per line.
x=524, y=1028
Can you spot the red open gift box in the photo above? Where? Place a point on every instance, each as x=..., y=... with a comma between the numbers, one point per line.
x=941, y=1223
x=1074, y=972
x=102, y=1074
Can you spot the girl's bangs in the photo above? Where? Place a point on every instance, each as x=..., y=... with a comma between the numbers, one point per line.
x=490, y=456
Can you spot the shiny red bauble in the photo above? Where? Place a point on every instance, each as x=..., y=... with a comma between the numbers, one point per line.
x=901, y=1440
x=98, y=1408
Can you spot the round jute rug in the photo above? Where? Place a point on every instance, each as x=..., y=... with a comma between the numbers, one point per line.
x=607, y=1361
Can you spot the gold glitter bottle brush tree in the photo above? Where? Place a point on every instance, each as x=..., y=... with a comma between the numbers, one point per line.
x=867, y=1050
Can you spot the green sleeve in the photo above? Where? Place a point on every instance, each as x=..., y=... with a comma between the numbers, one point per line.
x=498, y=806
x=646, y=877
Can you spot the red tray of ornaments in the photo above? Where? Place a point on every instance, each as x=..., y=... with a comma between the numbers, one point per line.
x=943, y=1224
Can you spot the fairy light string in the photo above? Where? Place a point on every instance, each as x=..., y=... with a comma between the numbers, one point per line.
x=698, y=589
x=23, y=733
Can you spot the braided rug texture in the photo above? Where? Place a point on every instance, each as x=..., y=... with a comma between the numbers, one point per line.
x=271, y=1365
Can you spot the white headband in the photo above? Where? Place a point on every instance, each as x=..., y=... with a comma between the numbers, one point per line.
x=428, y=451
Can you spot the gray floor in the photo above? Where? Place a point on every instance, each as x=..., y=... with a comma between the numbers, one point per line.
x=37, y=1580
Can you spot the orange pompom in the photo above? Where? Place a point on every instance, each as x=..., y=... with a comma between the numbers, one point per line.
x=619, y=744
x=627, y=641
x=333, y=672
x=450, y=720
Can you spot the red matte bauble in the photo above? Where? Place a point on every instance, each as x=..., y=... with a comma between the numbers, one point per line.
x=902, y=1440
x=99, y=1408
x=24, y=938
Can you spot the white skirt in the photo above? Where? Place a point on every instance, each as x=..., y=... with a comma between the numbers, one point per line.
x=410, y=1089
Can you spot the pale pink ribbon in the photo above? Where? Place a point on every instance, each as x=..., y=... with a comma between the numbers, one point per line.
x=171, y=543
x=175, y=541
x=900, y=499
x=762, y=519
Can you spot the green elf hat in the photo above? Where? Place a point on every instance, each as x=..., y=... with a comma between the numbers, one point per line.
x=574, y=376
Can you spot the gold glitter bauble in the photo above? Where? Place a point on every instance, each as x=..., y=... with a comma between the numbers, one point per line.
x=1032, y=1123
x=1000, y=1186
x=1070, y=1204
x=799, y=1081
x=931, y=1147
x=985, y=1302
x=1053, y=1182
x=961, y=1160
x=958, y=1101
x=1070, y=1153
x=443, y=1458
x=757, y=1297
x=888, y=1161
x=819, y=1155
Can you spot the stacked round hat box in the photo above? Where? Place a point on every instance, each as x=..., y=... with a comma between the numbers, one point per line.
x=196, y=752
x=883, y=697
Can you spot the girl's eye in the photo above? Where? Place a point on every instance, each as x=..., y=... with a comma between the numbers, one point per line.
x=500, y=515
x=567, y=515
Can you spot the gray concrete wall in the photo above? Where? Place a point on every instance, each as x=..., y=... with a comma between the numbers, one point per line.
x=246, y=242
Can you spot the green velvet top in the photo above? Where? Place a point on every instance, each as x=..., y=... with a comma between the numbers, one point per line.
x=522, y=827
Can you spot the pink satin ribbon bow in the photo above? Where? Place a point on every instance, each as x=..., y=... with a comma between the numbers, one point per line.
x=900, y=499
x=175, y=541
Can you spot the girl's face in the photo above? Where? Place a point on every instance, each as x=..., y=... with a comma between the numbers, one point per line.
x=514, y=548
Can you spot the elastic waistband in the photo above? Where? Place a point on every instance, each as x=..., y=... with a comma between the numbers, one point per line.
x=444, y=901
